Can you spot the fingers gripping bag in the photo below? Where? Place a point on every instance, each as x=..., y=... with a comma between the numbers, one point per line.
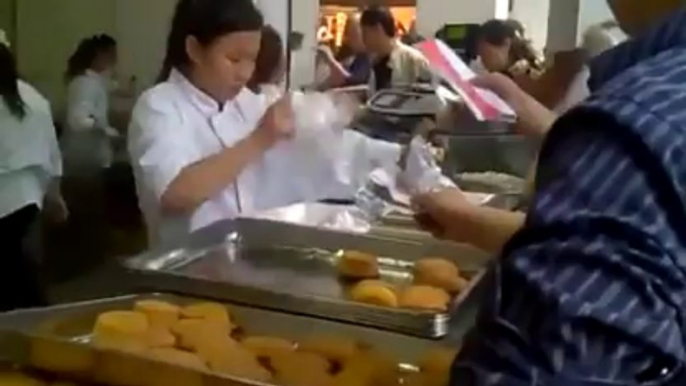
x=390, y=189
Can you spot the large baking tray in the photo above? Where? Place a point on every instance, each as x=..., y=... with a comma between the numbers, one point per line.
x=292, y=268
x=67, y=328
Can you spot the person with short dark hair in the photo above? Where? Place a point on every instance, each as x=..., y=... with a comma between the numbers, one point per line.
x=393, y=63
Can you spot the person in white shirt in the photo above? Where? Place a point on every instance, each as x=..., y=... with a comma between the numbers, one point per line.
x=87, y=139
x=204, y=147
x=30, y=167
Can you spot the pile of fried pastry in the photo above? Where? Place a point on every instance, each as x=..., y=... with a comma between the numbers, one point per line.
x=205, y=337
x=435, y=282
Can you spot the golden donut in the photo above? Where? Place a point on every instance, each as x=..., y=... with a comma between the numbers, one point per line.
x=266, y=347
x=160, y=338
x=374, y=292
x=121, y=330
x=160, y=314
x=358, y=265
x=177, y=358
x=368, y=368
x=61, y=357
x=18, y=379
x=335, y=349
x=287, y=361
x=437, y=360
x=439, y=273
x=426, y=379
x=230, y=358
x=298, y=377
x=193, y=333
x=214, y=312
x=425, y=298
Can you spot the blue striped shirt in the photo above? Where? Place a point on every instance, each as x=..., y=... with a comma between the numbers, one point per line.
x=593, y=290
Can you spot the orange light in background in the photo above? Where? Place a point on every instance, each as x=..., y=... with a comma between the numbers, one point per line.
x=341, y=20
x=334, y=18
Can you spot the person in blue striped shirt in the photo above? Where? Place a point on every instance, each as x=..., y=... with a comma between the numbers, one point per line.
x=592, y=289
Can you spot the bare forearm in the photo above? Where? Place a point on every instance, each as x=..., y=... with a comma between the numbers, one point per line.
x=488, y=228
x=199, y=182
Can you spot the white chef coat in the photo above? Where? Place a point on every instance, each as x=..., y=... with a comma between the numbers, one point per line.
x=175, y=125
x=85, y=142
x=29, y=154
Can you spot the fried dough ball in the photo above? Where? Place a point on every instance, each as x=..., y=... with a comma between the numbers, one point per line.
x=335, y=349
x=177, y=358
x=425, y=298
x=437, y=360
x=121, y=330
x=285, y=362
x=302, y=377
x=166, y=374
x=368, y=369
x=160, y=338
x=214, y=312
x=193, y=333
x=440, y=273
x=61, y=357
x=426, y=379
x=267, y=347
x=228, y=357
x=120, y=369
x=160, y=314
x=375, y=292
x=358, y=265
x=18, y=379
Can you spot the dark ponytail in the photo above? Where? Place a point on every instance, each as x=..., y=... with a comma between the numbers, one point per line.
x=206, y=20
x=86, y=53
x=497, y=32
x=9, y=87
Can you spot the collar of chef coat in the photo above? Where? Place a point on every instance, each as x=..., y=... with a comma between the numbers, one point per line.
x=232, y=121
x=208, y=106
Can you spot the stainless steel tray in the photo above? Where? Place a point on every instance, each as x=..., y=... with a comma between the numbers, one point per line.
x=292, y=268
x=67, y=328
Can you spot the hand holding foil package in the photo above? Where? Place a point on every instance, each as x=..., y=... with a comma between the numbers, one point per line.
x=391, y=189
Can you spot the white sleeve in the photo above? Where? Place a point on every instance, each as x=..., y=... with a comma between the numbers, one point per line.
x=81, y=104
x=158, y=145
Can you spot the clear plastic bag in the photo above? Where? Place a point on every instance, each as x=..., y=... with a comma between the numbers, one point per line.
x=391, y=188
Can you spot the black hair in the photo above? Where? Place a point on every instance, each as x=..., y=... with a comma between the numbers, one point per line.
x=379, y=16
x=206, y=20
x=269, y=58
x=9, y=87
x=498, y=32
x=86, y=53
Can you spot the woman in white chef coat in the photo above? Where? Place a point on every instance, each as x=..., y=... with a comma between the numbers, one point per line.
x=203, y=146
x=87, y=139
x=30, y=167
